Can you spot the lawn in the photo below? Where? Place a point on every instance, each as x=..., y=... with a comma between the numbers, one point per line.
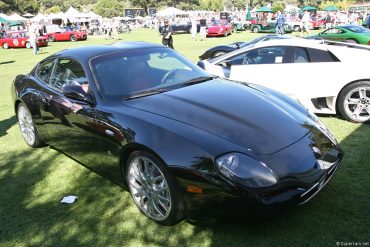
x=33, y=181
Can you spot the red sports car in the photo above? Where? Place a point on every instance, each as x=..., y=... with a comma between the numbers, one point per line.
x=318, y=23
x=65, y=35
x=20, y=40
x=219, y=28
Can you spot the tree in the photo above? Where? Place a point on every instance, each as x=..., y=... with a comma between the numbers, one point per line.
x=239, y=4
x=212, y=5
x=278, y=6
x=110, y=8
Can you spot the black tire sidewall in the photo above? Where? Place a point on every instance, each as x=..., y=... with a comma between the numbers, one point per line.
x=343, y=94
x=177, y=208
x=73, y=38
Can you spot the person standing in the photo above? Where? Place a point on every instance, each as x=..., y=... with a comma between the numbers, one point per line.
x=280, y=22
x=203, y=28
x=193, y=28
x=167, y=34
x=305, y=23
x=33, y=38
x=328, y=21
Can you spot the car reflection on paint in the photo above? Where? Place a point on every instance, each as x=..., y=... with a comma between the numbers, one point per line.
x=177, y=138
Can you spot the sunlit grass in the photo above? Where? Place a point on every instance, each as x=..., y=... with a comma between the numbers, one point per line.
x=33, y=181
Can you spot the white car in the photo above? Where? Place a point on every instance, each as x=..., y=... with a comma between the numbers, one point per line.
x=325, y=77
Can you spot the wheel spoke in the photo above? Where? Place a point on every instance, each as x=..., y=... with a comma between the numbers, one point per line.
x=362, y=92
x=357, y=111
x=149, y=188
x=352, y=101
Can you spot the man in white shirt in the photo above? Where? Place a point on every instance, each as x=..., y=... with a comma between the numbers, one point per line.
x=305, y=23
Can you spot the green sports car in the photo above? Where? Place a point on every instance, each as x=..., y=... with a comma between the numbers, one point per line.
x=352, y=34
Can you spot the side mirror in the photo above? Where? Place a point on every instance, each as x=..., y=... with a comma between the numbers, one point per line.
x=77, y=93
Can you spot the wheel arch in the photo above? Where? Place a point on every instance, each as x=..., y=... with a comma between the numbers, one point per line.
x=341, y=90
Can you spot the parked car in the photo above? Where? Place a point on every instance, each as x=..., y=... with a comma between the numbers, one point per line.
x=341, y=83
x=184, y=27
x=222, y=49
x=351, y=34
x=20, y=40
x=219, y=28
x=318, y=23
x=66, y=35
x=269, y=27
x=177, y=138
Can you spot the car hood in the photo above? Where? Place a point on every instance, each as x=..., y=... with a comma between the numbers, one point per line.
x=260, y=121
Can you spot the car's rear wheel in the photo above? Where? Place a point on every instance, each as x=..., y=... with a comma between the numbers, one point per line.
x=5, y=45
x=51, y=38
x=352, y=41
x=28, y=45
x=27, y=127
x=255, y=29
x=297, y=28
x=73, y=37
x=153, y=188
x=354, y=102
x=218, y=53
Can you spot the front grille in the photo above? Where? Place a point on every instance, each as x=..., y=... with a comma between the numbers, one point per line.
x=314, y=189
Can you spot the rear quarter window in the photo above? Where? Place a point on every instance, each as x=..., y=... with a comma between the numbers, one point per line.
x=320, y=56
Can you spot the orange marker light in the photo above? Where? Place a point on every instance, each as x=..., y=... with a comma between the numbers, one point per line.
x=194, y=189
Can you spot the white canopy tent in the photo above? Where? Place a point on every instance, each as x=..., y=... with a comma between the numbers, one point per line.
x=170, y=11
x=16, y=17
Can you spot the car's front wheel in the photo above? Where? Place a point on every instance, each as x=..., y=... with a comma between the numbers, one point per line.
x=28, y=45
x=354, y=102
x=51, y=38
x=73, y=37
x=256, y=29
x=352, y=41
x=153, y=188
x=218, y=53
x=27, y=127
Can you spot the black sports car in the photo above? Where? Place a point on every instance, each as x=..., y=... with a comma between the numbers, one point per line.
x=223, y=49
x=176, y=137
x=181, y=27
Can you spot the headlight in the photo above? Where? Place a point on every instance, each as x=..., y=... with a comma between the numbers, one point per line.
x=245, y=170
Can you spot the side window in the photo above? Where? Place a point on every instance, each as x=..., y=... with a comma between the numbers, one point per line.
x=320, y=56
x=68, y=71
x=265, y=55
x=300, y=55
x=44, y=70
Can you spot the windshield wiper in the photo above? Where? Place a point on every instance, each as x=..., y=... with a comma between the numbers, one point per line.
x=146, y=93
x=198, y=80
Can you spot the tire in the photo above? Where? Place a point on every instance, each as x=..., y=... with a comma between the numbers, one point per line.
x=354, y=102
x=73, y=38
x=165, y=207
x=27, y=127
x=5, y=45
x=51, y=38
x=297, y=28
x=255, y=29
x=218, y=53
x=28, y=45
x=352, y=41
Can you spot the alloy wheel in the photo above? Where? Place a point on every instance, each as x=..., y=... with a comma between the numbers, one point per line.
x=357, y=104
x=26, y=125
x=149, y=188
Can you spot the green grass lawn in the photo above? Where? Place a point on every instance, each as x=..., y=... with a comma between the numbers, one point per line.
x=33, y=181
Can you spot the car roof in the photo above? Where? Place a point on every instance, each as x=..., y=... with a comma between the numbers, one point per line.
x=292, y=42
x=85, y=53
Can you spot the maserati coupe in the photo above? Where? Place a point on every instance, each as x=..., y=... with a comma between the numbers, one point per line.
x=178, y=139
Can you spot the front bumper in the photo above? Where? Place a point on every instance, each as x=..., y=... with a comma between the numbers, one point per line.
x=298, y=185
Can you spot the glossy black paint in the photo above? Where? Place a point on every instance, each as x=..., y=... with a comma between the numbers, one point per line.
x=187, y=128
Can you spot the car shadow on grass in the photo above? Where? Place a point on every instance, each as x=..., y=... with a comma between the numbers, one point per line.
x=7, y=62
x=6, y=124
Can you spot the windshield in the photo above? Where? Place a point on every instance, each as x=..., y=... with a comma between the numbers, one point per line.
x=358, y=29
x=127, y=73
